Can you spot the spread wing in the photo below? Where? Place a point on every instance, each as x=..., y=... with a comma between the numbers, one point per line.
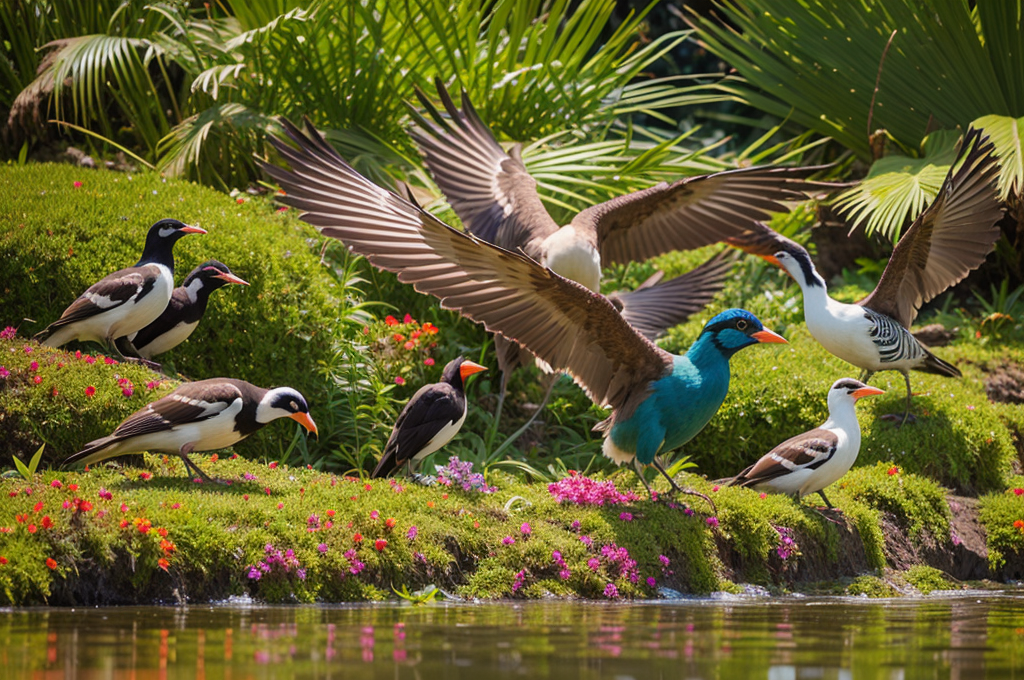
x=692, y=212
x=490, y=190
x=809, y=450
x=560, y=321
x=108, y=293
x=763, y=241
x=653, y=309
x=190, y=403
x=948, y=240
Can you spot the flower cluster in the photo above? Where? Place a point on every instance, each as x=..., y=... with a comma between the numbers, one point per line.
x=787, y=546
x=563, y=569
x=585, y=491
x=354, y=565
x=402, y=344
x=618, y=558
x=277, y=563
x=517, y=583
x=460, y=473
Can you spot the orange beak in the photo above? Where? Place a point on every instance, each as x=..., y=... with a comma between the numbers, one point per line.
x=771, y=259
x=769, y=336
x=189, y=229
x=231, y=278
x=306, y=421
x=866, y=392
x=468, y=368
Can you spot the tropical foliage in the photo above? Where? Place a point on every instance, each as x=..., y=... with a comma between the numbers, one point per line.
x=880, y=77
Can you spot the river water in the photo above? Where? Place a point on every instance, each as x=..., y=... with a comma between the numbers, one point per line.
x=962, y=636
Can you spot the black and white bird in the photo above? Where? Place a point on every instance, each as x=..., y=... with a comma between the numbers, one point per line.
x=126, y=301
x=198, y=416
x=432, y=417
x=809, y=462
x=948, y=240
x=185, y=309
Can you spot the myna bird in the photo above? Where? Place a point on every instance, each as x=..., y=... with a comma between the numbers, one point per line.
x=127, y=300
x=809, y=462
x=948, y=240
x=185, y=309
x=658, y=400
x=432, y=417
x=198, y=416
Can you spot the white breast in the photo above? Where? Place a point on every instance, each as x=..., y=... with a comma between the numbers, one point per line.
x=573, y=258
x=141, y=312
x=843, y=330
x=168, y=340
x=442, y=437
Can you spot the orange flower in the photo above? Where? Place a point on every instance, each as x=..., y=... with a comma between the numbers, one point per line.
x=358, y=538
x=893, y=471
x=72, y=487
x=51, y=563
x=390, y=320
x=163, y=563
x=38, y=506
x=430, y=504
x=390, y=522
x=168, y=546
x=1019, y=525
x=162, y=531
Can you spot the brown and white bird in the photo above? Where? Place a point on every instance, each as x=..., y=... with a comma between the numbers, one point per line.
x=659, y=400
x=496, y=198
x=810, y=462
x=198, y=416
x=432, y=417
x=126, y=301
x=948, y=240
x=185, y=309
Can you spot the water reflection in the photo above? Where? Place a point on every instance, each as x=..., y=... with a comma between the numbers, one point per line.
x=790, y=639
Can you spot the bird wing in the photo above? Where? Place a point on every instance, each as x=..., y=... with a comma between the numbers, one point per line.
x=110, y=292
x=174, y=310
x=692, y=212
x=761, y=240
x=190, y=403
x=560, y=321
x=946, y=241
x=490, y=190
x=432, y=408
x=653, y=309
x=809, y=450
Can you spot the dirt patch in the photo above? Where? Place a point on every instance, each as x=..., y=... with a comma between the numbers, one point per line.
x=1005, y=384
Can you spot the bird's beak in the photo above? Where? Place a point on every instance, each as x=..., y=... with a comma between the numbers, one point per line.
x=866, y=391
x=468, y=368
x=231, y=278
x=771, y=259
x=306, y=421
x=769, y=336
x=189, y=229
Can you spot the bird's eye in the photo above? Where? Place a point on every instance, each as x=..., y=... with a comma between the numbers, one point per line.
x=741, y=325
x=295, y=407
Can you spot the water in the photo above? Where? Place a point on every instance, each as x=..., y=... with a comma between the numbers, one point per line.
x=978, y=636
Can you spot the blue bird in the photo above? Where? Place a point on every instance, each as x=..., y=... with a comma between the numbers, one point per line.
x=659, y=400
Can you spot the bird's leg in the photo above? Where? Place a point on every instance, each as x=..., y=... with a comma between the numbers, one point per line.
x=865, y=376
x=678, y=489
x=126, y=352
x=822, y=494
x=189, y=465
x=640, y=474
x=906, y=414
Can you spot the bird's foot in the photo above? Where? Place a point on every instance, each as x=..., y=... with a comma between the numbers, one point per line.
x=693, y=492
x=151, y=365
x=824, y=515
x=900, y=419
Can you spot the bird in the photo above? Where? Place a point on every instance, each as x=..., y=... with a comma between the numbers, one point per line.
x=126, y=301
x=809, y=462
x=658, y=400
x=198, y=416
x=944, y=244
x=496, y=199
x=184, y=310
x=432, y=417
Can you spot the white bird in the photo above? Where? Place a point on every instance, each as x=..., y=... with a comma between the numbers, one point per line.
x=945, y=243
x=809, y=462
x=198, y=416
x=126, y=301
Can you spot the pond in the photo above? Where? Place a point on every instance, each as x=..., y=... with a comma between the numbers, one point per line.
x=973, y=636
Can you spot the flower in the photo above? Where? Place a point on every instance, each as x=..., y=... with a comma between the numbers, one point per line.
x=47, y=522
x=1018, y=492
x=526, y=529
x=1019, y=524
x=37, y=379
x=390, y=320
x=610, y=591
x=409, y=345
x=894, y=470
x=8, y=333
x=163, y=563
x=3, y=560
x=51, y=563
x=4, y=373
x=575, y=526
x=517, y=583
x=399, y=380
x=586, y=540
x=712, y=522
x=56, y=484
x=72, y=487
x=626, y=516
x=664, y=560
x=358, y=538
x=594, y=563
x=145, y=476
x=380, y=544
x=429, y=361
x=109, y=361
x=408, y=318
x=322, y=548
x=429, y=328
x=585, y=491
x=508, y=540
x=651, y=583
x=76, y=184
x=715, y=487
x=239, y=201
x=412, y=533
x=461, y=473
x=34, y=366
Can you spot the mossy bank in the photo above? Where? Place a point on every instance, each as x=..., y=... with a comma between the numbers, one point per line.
x=123, y=535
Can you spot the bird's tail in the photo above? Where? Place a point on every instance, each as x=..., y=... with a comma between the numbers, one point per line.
x=933, y=364
x=386, y=465
x=94, y=452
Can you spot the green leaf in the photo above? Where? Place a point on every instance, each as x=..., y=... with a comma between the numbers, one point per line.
x=34, y=463
x=1006, y=133
x=25, y=472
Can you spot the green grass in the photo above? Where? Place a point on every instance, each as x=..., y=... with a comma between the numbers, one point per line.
x=1002, y=514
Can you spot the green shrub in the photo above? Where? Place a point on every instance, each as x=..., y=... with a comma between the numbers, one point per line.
x=927, y=579
x=872, y=587
x=1002, y=514
x=57, y=239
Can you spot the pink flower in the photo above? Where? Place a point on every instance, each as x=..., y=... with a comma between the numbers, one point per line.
x=374, y=514
x=4, y=373
x=715, y=487
x=56, y=484
x=409, y=345
x=651, y=583
x=526, y=529
x=1018, y=492
x=585, y=491
x=429, y=361
x=412, y=533
x=586, y=540
x=626, y=516
x=399, y=380
x=127, y=391
x=610, y=591
x=34, y=366
x=90, y=359
x=712, y=522
x=508, y=540
x=28, y=349
x=152, y=384
x=408, y=319
x=594, y=563
x=77, y=184
x=109, y=361
x=8, y=333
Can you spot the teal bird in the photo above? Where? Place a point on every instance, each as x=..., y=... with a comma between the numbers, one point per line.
x=659, y=401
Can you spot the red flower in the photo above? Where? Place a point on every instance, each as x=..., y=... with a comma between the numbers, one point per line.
x=239, y=201
x=72, y=487
x=47, y=522
x=430, y=328
x=84, y=506
x=399, y=380
x=390, y=320
x=894, y=470
x=408, y=319
x=368, y=486
x=273, y=465
x=146, y=476
x=21, y=519
x=31, y=528
x=1019, y=524
x=428, y=361
x=358, y=538
x=380, y=544
x=163, y=563
x=3, y=560
x=390, y=522
x=37, y=379
x=51, y=563
x=330, y=513
x=398, y=337
x=38, y=506
x=1018, y=492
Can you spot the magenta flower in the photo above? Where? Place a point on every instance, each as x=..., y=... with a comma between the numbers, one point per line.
x=4, y=373
x=712, y=522
x=508, y=540
x=587, y=541
x=664, y=560
x=412, y=533
x=105, y=495
x=525, y=529
x=127, y=391
x=610, y=591
x=518, y=582
x=626, y=516
x=594, y=563
x=585, y=491
x=651, y=583
x=8, y=333
x=322, y=548
x=34, y=366
x=564, y=574
x=575, y=526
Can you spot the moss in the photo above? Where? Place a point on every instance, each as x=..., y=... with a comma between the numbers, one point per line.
x=927, y=579
x=56, y=240
x=918, y=503
x=871, y=586
x=1002, y=515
